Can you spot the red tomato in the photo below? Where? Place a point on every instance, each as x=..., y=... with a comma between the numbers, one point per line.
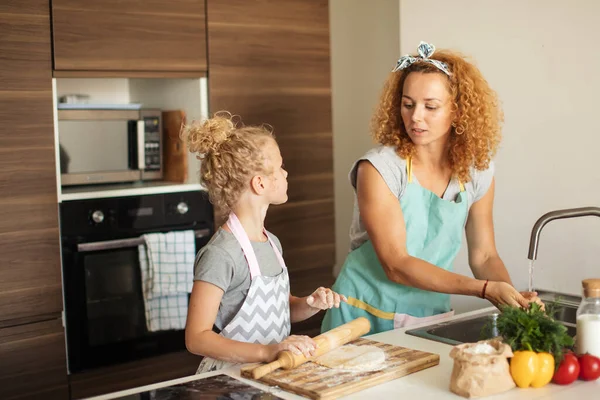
x=590, y=367
x=567, y=371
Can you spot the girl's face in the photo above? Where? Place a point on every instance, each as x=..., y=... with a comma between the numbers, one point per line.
x=426, y=107
x=277, y=181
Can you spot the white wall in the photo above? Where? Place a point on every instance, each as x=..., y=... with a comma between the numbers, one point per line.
x=364, y=47
x=100, y=91
x=543, y=58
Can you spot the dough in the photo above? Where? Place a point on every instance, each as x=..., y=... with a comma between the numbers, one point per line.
x=353, y=358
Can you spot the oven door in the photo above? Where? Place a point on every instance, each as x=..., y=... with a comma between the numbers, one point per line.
x=105, y=307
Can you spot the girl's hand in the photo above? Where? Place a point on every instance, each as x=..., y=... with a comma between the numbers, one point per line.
x=502, y=293
x=295, y=343
x=325, y=298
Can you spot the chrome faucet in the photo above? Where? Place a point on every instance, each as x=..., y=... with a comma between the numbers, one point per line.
x=552, y=215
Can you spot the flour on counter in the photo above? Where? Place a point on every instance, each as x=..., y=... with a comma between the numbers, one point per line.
x=353, y=358
x=481, y=348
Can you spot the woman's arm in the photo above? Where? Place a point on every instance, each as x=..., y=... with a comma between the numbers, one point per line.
x=382, y=216
x=200, y=338
x=483, y=256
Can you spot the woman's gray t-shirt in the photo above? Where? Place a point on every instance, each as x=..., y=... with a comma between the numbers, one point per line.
x=392, y=169
x=221, y=262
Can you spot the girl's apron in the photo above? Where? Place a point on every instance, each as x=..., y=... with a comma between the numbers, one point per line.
x=434, y=230
x=264, y=317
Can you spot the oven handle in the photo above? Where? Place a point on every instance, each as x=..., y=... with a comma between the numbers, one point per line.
x=124, y=243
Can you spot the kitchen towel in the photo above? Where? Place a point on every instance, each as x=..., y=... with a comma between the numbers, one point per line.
x=167, y=273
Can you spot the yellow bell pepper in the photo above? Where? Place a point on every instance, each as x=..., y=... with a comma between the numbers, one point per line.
x=529, y=368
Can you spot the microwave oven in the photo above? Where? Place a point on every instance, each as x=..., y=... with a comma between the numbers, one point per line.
x=98, y=146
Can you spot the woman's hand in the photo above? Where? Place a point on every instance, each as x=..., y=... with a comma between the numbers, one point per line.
x=295, y=343
x=502, y=293
x=324, y=299
x=532, y=297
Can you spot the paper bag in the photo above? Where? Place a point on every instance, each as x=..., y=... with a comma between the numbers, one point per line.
x=479, y=373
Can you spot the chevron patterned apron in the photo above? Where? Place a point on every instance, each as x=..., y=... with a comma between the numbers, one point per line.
x=264, y=317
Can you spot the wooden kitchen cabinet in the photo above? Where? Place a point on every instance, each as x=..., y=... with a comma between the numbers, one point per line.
x=129, y=37
x=30, y=270
x=34, y=362
x=269, y=62
x=32, y=340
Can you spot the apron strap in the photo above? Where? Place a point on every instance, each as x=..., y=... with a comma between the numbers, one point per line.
x=242, y=237
x=409, y=174
x=277, y=252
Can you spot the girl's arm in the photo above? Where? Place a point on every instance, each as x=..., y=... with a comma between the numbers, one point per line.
x=201, y=340
x=302, y=308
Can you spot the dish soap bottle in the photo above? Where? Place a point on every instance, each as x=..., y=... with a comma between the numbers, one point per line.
x=588, y=319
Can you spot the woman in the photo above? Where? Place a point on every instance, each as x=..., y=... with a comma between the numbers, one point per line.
x=438, y=126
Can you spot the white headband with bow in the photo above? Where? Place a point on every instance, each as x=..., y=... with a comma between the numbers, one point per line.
x=425, y=51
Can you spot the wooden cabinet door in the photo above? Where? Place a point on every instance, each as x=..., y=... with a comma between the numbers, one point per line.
x=269, y=63
x=30, y=270
x=33, y=361
x=129, y=35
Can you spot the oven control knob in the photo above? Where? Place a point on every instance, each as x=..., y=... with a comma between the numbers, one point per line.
x=182, y=208
x=97, y=216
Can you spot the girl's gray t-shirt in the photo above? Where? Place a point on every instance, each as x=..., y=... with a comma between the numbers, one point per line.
x=221, y=262
x=392, y=169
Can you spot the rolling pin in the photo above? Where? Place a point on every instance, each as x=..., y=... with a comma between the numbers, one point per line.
x=325, y=342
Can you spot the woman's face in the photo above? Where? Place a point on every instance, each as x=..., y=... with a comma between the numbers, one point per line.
x=426, y=107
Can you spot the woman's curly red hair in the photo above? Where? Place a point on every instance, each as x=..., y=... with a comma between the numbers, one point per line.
x=477, y=116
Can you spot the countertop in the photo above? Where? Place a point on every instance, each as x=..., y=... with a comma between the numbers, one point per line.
x=431, y=383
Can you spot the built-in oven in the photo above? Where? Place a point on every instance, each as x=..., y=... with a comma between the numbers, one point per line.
x=104, y=305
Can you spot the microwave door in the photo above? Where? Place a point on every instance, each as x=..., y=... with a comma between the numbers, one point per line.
x=94, y=151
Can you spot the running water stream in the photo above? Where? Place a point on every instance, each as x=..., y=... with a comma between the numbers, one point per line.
x=531, y=275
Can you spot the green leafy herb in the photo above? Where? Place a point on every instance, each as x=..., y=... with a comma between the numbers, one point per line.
x=534, y=329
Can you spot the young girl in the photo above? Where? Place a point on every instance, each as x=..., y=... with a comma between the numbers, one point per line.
x=241, y=284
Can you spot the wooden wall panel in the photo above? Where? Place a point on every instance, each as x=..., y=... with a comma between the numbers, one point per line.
x=270, y=63
x=310, y=187
x=129, y=35
x=24, y=47
x=33, y=361
x=30, y=278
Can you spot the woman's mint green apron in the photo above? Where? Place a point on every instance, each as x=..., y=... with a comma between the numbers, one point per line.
x=434, y=230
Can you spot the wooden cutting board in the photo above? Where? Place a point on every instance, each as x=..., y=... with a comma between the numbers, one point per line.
x=322, y=383
x=175, y=153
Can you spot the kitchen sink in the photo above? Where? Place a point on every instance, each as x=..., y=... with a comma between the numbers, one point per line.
x=483, y=326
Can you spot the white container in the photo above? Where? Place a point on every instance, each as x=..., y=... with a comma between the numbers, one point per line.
x=588, y=319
